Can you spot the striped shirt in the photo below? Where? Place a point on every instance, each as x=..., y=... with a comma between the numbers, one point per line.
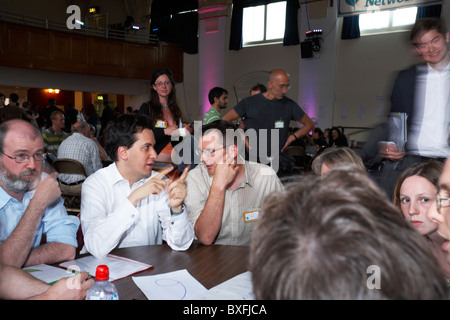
x=211, y=115
x=258, y=182
x=53, y=140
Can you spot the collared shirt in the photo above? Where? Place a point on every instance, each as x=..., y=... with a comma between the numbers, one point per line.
x=431, y=128
x=80, y=148
x=211, y=115
x=52, y=140
x=56, y=224
x=258, y=182
x=109, y=220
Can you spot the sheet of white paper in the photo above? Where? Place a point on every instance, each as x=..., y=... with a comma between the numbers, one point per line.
x=239, y=287
x=119, y=267
x=177, y=285
x=46, y=273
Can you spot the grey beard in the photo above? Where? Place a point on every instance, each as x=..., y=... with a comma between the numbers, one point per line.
x=16, y=184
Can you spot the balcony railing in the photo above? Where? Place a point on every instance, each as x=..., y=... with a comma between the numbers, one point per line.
x=139, y=36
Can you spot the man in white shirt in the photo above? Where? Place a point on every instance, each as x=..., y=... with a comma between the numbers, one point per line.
x=127, y=204
x=79, y=147
x=422, y=92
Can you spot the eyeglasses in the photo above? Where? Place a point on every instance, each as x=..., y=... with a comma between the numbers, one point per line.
x=439, y=202
x=22, y=158
x=165, y=83
x=284, y=86
x=206, y=152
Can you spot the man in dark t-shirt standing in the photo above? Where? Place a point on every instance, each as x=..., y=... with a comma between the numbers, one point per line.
x=269, y=113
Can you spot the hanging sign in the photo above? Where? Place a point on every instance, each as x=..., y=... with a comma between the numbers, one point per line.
x=353, y=7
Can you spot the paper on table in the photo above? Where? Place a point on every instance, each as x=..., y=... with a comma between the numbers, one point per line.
x=119, y=267
x=46, y=273
x=177, y=285
x=239, y=287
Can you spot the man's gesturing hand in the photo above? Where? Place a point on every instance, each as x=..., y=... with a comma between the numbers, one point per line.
x=177, y=191
x=153, y=186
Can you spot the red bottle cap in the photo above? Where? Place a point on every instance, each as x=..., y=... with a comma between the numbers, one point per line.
x=102, y=273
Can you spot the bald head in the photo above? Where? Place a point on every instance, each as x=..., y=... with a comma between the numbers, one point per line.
x=21, y=128
x=278, y=84
x=277, y=74
x=81, y=127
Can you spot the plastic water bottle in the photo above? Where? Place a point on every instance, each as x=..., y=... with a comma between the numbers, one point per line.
x=102, y=289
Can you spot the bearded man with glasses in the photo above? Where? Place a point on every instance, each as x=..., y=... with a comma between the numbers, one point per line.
x=30, y=202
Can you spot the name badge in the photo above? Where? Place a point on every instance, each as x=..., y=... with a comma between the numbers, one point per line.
x=279, y=124
x=251, y=216
x=161, y=124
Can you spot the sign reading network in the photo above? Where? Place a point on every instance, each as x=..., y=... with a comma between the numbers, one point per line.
x=352, y=7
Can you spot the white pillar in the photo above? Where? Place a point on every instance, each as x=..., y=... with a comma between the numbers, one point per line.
x=212, y=49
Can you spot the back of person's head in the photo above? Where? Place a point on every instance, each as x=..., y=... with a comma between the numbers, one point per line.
x=122, y=132
x=91, y=109
x=80, y=127
x=52, y=101
x=318, y=131
x=13, y=97
x=337, y=157
x=259, y=87
x=430, y=170
x=216, y=92
x=347, y=244
x=425, y=25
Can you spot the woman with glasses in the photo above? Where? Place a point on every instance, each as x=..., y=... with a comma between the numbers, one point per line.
x=414, y=193
x=163, y=111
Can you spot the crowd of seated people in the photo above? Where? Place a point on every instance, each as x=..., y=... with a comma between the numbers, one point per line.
x=222, y=198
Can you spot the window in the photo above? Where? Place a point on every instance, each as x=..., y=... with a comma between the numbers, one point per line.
x=264, y=24
x=387, y=21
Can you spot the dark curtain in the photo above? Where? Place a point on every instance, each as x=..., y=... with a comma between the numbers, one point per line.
x=291, y=30
x=170, y=26
x=433, y=11
x=350, y=28
x=291, y=37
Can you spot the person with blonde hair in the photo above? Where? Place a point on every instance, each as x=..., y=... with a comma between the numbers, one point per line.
x=336, y=157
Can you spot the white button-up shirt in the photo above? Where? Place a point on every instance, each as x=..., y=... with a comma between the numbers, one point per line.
x=432, y=129
x=109, y=220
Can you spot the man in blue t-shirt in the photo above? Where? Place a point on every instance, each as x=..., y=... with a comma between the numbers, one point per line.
x=269, y=113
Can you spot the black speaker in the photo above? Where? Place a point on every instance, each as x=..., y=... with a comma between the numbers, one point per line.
x=306, y=48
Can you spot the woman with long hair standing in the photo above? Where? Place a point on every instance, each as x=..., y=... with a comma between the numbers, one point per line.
x=163, y=111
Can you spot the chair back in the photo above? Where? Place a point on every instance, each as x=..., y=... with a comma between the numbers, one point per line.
x=69, y=166
x=295, y=151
